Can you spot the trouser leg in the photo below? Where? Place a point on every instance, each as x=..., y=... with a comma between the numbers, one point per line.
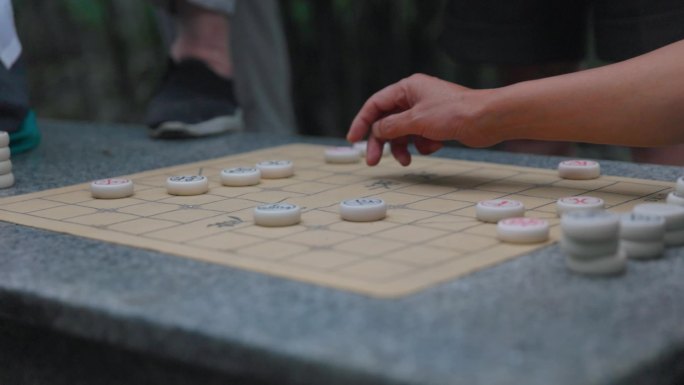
x=14, y=100
x=262, y=67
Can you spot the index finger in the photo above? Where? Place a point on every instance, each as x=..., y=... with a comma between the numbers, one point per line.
x=388, y=100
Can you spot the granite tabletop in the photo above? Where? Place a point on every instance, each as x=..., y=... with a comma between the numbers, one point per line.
x=526, y=321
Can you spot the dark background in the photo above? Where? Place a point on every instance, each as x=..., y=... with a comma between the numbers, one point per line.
x=100, y=60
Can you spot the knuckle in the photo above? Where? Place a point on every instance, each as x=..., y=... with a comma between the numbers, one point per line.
x=415, y=120
x=380, y=128
x=388, y=126
x=418, y=77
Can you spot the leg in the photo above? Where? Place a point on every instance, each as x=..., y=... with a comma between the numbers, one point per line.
x=16, y=117
x=262, y=67
x=203, y=34
x=14, y=101
x=197, y=97
x=256, y=55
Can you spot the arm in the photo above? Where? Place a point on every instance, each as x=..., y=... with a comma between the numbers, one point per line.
x=638, y=102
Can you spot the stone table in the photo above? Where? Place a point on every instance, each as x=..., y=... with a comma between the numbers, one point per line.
x=75, y=310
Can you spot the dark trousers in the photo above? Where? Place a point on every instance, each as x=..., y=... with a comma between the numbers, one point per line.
x=14, y=98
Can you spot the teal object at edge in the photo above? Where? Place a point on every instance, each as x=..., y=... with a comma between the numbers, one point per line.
x=28, y=135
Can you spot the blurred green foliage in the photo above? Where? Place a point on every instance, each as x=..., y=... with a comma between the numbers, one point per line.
x=88, y=13
x=90, y=59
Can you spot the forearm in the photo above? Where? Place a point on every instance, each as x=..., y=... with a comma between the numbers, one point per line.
x=639, y=102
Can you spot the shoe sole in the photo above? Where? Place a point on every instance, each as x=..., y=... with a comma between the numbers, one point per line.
x=215, y=126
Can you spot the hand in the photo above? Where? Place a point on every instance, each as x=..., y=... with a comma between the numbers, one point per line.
x=420, y=109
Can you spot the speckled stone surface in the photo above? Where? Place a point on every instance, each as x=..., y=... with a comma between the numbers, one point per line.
x=527, y=321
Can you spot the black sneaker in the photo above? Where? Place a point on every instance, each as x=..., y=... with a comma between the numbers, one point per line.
x=193, y=101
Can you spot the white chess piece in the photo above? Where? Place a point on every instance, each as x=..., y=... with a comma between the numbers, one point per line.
x=523, y=230
x=342, y=155
x=277, y=214
x=579, y=169
x=187, y=185
x=494, y=210
x=578, y=203
x=363, y=209
x=240, y=176
x=275, y=169
x=111, y=188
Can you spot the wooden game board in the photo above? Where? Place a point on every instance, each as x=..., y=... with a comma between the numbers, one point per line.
x=429, y=236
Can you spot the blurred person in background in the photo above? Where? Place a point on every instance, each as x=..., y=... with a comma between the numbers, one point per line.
x=16, y=116
x=228, y=69
x=208, y=88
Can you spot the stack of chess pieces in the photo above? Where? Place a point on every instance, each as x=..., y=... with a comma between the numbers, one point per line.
x=6, y=176
x=598, y=242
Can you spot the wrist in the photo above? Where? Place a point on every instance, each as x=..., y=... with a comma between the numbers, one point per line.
x=509, y=113
x=494, y=119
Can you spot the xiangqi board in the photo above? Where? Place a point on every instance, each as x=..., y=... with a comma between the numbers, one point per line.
x=430, y=234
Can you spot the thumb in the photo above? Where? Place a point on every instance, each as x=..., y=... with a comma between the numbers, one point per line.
x=396, y=125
